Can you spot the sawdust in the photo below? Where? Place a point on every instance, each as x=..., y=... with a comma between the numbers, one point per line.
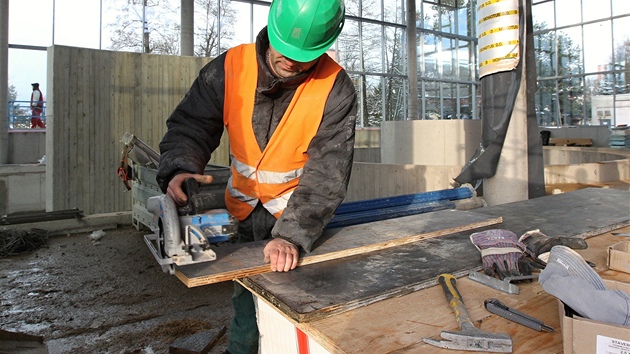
x=109, y=296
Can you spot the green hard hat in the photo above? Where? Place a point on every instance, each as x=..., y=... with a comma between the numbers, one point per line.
x=302, y=30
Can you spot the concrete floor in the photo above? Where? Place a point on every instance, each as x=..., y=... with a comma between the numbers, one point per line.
x=108, y=296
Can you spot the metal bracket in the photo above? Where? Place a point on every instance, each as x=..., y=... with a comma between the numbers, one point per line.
x=504, y=285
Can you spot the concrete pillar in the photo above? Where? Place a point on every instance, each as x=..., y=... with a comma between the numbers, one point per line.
x=4, y=81
x=520, y=172
x=412, y=61
x=187, y=31
x=509, y=184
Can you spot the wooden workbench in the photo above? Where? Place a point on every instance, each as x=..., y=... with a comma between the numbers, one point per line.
x=395, y=321
x=399, y=324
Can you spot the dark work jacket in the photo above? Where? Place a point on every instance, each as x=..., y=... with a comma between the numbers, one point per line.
x=196, y=125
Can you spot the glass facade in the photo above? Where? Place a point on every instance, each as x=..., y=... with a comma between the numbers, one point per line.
x=582, y=49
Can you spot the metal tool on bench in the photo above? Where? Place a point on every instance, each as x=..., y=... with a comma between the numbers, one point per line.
x=498, y=308
x=469, y=337
x=504, y=285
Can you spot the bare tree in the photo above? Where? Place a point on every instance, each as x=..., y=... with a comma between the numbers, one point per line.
x=146, y=26
x=207, y=17
x=153, y=26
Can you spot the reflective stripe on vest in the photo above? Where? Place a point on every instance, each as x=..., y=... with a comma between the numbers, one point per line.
x=270, y=175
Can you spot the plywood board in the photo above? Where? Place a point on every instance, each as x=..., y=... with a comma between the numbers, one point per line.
x=321, y=290
x=243, y=260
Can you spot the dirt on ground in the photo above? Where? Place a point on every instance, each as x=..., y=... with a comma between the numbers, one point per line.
x=106, y=296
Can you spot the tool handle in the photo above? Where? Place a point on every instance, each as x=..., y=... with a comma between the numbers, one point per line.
x=448, y=282
x=497, y=307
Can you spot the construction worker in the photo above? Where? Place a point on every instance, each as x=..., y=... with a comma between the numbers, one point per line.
x=37, y=107
x=289, y=111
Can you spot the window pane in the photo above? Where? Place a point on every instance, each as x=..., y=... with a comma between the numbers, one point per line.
x=448, y=59
x=243, y=29
x=591, y=100
x=620, y=7
x=465, y=102
x=597, y=46
x=571, y=98
x=395, y=98
x=447, y=20
x=543, y=14
x=22, y=29
x=431, y=17
x=428, y=56
x=449, y=99
x=546, y=54
x=595, y=10
x=24, y=68
x=352, y=7
x=431, y=95
x=348, y=44
x=371, y=9
x=465, y=22
x=394, y=11
x=395, y=52
x=545, y=95
x=466, y=61
x=622, y=53
x=73, y=30
x=374, y=101
x=358, y=82
x=570, y=51
x=261, y=13
x=568, y=12
x=372, y=48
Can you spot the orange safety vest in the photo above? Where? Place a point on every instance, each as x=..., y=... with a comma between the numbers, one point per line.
x=270, y=175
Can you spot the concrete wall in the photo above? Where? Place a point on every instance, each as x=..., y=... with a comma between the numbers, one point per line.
x=600, y=134
x=430, y=142
x=574, y=165
x=22, y=188
x=26, y=146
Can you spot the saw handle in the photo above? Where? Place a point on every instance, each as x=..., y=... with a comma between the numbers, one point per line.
x=448, y=282
x=190, y=186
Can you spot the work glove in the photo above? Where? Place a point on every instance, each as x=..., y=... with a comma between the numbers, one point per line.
x=501, y=253
x=538, y=245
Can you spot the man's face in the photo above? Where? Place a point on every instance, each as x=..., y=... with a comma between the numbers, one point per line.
x=284, y=67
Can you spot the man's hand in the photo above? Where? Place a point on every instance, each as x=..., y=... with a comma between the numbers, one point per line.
x=282, y=254
x=175, y=191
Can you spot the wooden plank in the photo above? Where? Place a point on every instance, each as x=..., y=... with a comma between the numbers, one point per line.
x=571, y=141
x=244, y=260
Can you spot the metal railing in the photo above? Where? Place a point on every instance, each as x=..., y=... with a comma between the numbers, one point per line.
x=20, y=115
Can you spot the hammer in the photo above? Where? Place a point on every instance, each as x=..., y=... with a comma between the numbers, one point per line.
x=469, y=337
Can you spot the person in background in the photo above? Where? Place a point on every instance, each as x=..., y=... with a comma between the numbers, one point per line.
x=289, y=111
x=37, y=107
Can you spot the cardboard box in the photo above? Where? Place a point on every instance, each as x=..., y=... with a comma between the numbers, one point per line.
x=619, y=256
x=584, y=336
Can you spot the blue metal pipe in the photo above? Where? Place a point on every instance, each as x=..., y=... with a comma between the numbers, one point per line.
x=407, y=199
